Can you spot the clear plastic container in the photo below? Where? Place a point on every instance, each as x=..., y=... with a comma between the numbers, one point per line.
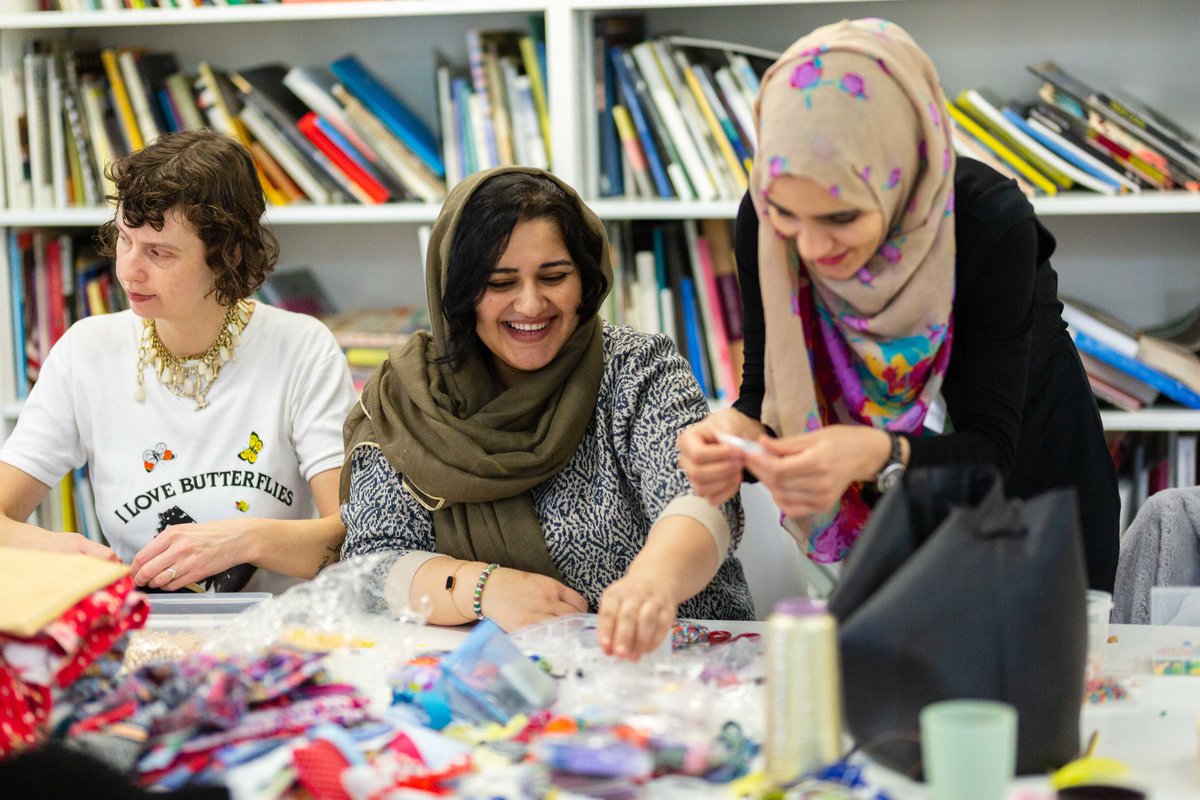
x=205, y=603
x=1099, y=607
x=571, y=636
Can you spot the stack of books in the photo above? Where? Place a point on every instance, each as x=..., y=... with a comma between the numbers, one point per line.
x=54, y=280
x=1132, y=369
x=1074, y=137
x=367, y=335
x=326, y=134
x=493, y=111
x=680, y=278
x=674, y=113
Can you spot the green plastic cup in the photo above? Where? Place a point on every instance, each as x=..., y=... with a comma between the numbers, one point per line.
x=969, y=748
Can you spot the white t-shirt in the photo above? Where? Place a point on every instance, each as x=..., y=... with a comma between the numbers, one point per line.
x=273, y=421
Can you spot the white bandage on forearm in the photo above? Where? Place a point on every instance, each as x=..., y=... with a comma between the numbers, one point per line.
x=699, y=509
x=398, y=589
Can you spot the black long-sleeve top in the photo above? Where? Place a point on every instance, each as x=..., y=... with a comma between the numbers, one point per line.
x=1015, y=390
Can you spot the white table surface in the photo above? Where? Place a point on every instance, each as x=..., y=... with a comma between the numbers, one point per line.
x=1155, y=732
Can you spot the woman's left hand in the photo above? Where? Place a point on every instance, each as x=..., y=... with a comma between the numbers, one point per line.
x=636, y=612
x=807, y=473
x=184, y=554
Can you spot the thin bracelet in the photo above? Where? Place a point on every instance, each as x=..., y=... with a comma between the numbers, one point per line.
x=452, y=578
x=477, y=605
x=451, y=582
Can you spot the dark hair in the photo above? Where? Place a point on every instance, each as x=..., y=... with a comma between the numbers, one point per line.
x=482, y=234
x=211, y=181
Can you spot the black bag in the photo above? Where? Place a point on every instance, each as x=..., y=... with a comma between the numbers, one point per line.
x=952, y=591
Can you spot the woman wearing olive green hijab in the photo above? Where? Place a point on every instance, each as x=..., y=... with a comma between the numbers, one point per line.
x=519, y=459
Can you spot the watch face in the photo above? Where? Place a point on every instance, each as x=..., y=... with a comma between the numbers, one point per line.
x=890, y=476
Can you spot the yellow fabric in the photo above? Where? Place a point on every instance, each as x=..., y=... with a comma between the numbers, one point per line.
x=37, y=586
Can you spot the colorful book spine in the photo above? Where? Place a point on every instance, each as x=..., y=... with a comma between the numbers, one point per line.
x=985, y=112
x=532, y=62
x=383, y=104
x=374, y=191
x=996, y=146
x=1069, y=152
x=479, y=83
x=16, y=293
x=1172, y=388
x=724, y=144
x=695, y=342
x=676, y=129
x=634, y=155
x=714, y=318
x=661, y=182
x=124, y=105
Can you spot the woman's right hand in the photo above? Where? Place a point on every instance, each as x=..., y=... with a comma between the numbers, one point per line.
x=513, y=598
x=713, y=467
x=67, y=542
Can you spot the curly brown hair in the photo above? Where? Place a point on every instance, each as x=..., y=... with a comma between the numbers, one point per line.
x=211, y=181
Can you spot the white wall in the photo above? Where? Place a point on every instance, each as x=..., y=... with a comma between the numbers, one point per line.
x=770, y=558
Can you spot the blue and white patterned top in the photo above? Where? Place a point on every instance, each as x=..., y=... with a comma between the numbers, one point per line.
x=596, y=513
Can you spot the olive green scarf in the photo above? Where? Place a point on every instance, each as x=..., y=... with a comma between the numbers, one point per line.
x=470, y=449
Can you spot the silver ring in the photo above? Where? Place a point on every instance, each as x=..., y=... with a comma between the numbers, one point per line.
x=174, y=574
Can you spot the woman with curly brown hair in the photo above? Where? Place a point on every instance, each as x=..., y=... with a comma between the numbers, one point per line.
x=210, y=425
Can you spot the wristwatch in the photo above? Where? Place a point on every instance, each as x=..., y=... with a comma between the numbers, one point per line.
x=889, y=477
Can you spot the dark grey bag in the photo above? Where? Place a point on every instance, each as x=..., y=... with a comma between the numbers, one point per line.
x=953, y=591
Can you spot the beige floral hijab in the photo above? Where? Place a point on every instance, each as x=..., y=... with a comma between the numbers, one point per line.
x=857, y=107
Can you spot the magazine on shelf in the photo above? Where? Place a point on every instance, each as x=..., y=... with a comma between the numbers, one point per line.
x=1184, y=164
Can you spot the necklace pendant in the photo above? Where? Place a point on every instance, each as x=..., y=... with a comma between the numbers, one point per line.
x=140, y=394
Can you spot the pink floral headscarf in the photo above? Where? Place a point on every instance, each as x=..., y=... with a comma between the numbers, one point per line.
x=856, y=106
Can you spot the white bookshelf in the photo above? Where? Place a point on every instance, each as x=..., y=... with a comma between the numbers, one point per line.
x=1136, y=256
x=252, y=13
x=1152, y=419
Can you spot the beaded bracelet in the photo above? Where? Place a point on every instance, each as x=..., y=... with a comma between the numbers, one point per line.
x=477, y=603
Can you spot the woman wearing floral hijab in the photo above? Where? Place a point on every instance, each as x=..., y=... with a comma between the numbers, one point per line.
x=882, y=276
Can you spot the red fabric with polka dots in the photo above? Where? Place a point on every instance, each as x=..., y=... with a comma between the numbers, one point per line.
x=72, y=642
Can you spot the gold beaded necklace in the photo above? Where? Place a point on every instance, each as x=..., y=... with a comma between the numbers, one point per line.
x=191, y=376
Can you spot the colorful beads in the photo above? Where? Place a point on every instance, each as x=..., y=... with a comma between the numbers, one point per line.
x=1104, y=690
x=477, y=598
x=686, y=634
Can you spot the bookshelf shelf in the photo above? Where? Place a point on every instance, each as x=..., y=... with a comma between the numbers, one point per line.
x=1152, y=419
x=1178, y=202
x=274, y=12
x=626, y=5
x=1077, y=204
x=295, y=214
x=402, y=213
x=663, y=209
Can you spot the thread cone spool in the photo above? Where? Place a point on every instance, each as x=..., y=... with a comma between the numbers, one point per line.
x=804, y=695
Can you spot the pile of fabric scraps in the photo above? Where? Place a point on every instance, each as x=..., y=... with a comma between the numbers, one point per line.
x=58, y=613
x=597, y=739
x=191, y=720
